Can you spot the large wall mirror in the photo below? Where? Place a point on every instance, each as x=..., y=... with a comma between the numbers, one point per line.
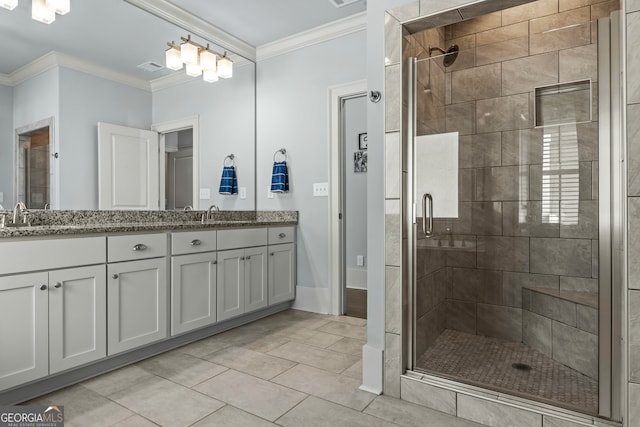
x=104, y=61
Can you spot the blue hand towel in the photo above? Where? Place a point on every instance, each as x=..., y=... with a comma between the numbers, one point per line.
x=280, y=178
x=229, y=181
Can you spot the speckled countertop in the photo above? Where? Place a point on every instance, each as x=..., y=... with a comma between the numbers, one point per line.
x=57, y=223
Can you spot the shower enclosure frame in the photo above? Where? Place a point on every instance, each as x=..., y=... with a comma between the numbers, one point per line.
x=611, y=218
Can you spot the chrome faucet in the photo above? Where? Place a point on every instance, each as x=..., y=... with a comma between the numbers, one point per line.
x=20, y=214
x=212, y=208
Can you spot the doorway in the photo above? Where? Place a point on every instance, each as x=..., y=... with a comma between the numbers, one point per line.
x=33, y=165
x=178, y=149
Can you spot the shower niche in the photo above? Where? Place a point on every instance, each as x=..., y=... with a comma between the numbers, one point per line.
x=505, y=288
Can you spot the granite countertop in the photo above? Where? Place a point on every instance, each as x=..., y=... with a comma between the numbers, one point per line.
x=59, y=223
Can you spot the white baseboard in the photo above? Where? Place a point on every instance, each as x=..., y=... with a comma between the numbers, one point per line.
x=372, y=369
x=315, y=300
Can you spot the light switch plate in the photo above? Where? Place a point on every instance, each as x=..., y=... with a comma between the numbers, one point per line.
x=270, y=194
x=242, y=191
x=320, y=189
x=205, y=193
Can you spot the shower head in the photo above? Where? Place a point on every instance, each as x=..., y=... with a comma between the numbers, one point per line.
x=450, y=55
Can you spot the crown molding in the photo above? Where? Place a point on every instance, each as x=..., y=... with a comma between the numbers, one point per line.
x=322, y=33
x=57, y=59
x=5, y=80
x=170, y=80
x=195, y=25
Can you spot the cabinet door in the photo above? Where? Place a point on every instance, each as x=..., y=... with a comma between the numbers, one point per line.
x=77, y=317
x=24, y=322
x=255, y=278
x=230, y=283
x=282, y=273
x=137, y=304
x=193, y=291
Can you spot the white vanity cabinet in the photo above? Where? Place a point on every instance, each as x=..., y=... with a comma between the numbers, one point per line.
x=282, y=264
x=137, y=291
x=193, y=280
x=242, y=272
x=52, y=320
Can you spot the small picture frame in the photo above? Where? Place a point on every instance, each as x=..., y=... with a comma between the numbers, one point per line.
x=360, y=161
x=362, y=141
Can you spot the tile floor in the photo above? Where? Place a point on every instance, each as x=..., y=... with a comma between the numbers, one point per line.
x=290, y=369
x=489, y=362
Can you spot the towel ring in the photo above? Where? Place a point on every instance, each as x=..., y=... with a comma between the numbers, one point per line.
x=231, y=158
x=282, y=151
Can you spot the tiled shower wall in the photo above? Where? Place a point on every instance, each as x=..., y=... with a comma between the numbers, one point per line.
x=487, y=96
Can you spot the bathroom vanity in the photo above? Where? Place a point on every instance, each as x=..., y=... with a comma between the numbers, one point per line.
x=89, y=292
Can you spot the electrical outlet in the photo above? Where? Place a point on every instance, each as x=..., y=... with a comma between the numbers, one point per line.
x=320, y=189
x=360, y=260
x=270, y=195
x=205, y=193
x=243, y=192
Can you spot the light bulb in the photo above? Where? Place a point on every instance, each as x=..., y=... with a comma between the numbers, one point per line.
x=41, y=13
x=208, y=60
x=61, y=7
x=210, y=76
x=193, y=69
x=225, y=67
x=189, y=53
x=9, y=4
x=173, y=60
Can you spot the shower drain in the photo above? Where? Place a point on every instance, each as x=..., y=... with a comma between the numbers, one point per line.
x=521, y=366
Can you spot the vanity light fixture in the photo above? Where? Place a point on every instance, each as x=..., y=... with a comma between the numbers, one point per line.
x=200, y=60
x=42, y=10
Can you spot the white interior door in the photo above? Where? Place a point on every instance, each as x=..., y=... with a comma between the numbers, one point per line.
x=128, y=168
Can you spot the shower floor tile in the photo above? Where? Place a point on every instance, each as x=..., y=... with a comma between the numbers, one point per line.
x=487, y=362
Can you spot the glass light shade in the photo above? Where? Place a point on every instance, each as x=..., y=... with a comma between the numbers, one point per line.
x=9, y=4
x=225, y=68
x=208, y=60
x=210, y=76
x=61, y=7
x=189, y=53
x=41, y=13
x=193, y=69
x=173, y=60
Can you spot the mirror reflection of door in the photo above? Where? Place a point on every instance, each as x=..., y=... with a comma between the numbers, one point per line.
x=33, y=172
x=179, y=169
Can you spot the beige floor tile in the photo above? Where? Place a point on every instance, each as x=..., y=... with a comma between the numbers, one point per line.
x=326, y=385
x=251, y=394
x=345, y=330
x=181, y=368
x=240, y=336
x=348, y=346
x=134, y=421
x=117, y=380
x=411, y=415
x=266, y=343
x=309, y=336
x=84, y=407
x=356, y=321
x=166, y=403
x=314, y=356
x=204, y=347
x=314, y=412
x=251, y=362
x=232, y=417
x=355, y=371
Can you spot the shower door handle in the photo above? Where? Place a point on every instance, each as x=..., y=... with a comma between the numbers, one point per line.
x=427, y=227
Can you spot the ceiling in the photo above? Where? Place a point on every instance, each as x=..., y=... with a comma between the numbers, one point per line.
x=115, y=34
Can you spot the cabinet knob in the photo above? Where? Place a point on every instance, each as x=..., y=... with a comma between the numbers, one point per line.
x=282, y=235
x=214, y=262
x=139, y=247
x=43, y=287
x=58, y=285
x=241, y=258
x=272, y=254
x=196, y=242
x=248, y=257
x=115, y=276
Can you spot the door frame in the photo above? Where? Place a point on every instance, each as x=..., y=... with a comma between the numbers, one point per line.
x=337, y=95
x=191, y=122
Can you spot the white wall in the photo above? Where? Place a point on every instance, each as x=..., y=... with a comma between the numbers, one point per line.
x=6, y=146
x=292, y=113
x=227, y=126
x=355, y=213
x=86, y=100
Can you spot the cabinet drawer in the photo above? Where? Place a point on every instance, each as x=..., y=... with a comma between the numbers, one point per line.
x=136, y=246
x=46, y=254
x=241, y=238
x=190, y=242
x=281, y=235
